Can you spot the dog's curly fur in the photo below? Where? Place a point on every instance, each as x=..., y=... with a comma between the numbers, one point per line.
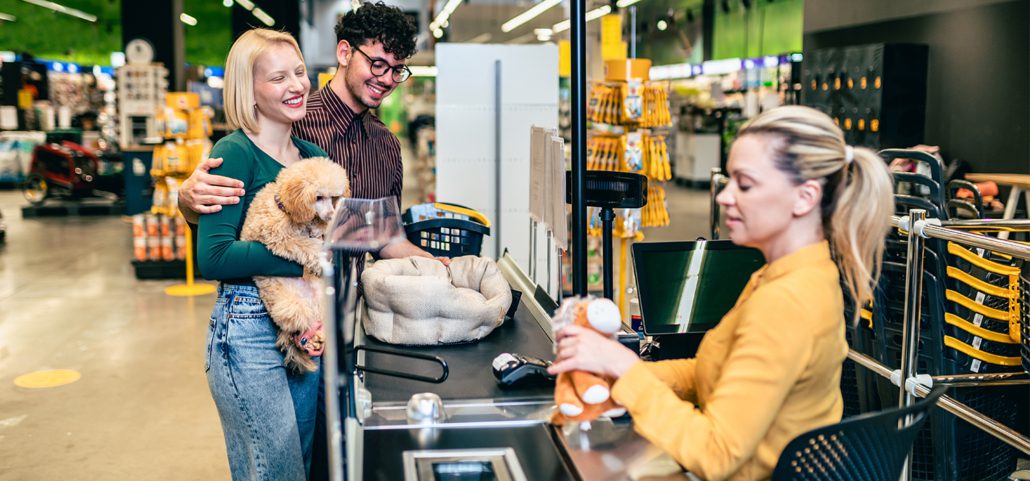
x=289, y=216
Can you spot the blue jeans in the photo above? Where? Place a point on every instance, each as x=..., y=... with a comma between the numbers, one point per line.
x=267, y=411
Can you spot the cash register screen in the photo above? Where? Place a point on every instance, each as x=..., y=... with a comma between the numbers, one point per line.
x=686, y=287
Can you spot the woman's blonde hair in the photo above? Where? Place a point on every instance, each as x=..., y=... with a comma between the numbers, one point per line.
x=240, y=106
x=858, y=190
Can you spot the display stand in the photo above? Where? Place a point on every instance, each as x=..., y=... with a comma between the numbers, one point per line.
x=190, y=288
x=162, y=240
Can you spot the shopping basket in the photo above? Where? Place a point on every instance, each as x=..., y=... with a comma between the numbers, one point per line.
x=446, y=230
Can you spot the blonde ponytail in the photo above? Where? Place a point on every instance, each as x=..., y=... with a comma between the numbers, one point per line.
x=857, y=189
x=860, y=222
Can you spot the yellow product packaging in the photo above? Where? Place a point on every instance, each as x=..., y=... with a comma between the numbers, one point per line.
x=177, y=160
x=197, y=151
x=159, y=205
x=160, y=160
x=200, y=123
x=594, y=104
x=174, y=184
x=633, y=100
x=176, y=123
x=635, y=148
x=182, y=100
x=609, y=117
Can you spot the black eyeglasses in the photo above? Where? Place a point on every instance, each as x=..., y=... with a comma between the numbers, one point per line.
x=379, y=68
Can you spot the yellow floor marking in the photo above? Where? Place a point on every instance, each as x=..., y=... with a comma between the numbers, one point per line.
x=47, y=379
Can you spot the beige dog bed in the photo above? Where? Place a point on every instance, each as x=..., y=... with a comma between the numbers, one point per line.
x=419, y=301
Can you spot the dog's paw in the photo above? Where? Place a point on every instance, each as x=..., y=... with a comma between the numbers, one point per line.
x=311, y=341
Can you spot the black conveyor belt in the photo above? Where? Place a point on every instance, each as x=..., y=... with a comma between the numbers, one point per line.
x=471, y=376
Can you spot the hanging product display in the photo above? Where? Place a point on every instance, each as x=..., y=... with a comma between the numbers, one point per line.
x=628, y=113
x=186, y=126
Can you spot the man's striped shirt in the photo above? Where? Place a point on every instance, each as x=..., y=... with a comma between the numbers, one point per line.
x=361, y=143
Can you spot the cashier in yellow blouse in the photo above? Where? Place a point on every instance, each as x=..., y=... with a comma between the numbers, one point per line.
x=818, y=210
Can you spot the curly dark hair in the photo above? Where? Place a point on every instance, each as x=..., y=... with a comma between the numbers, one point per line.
x=377, y=21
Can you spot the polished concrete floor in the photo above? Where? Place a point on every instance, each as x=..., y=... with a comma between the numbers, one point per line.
x=141, y=410
x=69, y=300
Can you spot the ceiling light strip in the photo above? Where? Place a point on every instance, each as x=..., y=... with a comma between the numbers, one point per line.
x=591, y=15
x=528, y=15
x=246, y=4
x=445, y=14
x=264, y=17
x=625, y=3
x=57, y=7
x=8, y=17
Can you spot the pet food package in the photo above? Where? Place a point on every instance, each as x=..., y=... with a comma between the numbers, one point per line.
x=180, y=238
x=139, y=237
x=153, y=227
x=139, y=249
x=167, y=249
x=153, y=248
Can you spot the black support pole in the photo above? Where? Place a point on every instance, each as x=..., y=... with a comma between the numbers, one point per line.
x=577, y=18
x=607, y=221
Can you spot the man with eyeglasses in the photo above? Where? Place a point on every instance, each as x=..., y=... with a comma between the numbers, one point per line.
x=373, y=44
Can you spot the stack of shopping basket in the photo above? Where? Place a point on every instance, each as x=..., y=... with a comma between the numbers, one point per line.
x=972, y=306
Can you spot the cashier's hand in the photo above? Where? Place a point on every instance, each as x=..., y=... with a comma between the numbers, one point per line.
x=204, y=193
x=582, y=349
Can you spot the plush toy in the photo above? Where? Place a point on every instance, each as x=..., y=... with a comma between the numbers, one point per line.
x=582, y=396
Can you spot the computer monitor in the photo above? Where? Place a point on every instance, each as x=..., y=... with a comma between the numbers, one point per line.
x=687, y=287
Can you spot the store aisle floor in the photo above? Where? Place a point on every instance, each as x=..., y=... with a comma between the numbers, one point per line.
x=141, y=410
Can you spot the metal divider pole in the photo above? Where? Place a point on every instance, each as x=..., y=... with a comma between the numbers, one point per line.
x=713, y=217
x=497, y=159
x=578, y=99
x=913, y=315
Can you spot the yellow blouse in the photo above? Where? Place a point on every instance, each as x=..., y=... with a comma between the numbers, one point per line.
x=769, y=371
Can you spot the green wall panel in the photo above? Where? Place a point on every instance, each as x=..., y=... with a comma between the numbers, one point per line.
x=56, y=36
x=208, y=42
x=764, y=29
x=50, y=35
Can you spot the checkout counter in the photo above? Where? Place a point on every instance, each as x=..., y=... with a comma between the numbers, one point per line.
x=383, y=427
x=484, y=432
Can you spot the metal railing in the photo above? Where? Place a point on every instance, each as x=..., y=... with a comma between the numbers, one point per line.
x=718, y=181
x=919, y=228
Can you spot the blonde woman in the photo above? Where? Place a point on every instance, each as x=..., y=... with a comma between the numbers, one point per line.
x=818, y=209
x=267, y=411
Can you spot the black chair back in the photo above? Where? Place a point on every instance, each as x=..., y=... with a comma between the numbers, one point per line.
x=868, y=447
